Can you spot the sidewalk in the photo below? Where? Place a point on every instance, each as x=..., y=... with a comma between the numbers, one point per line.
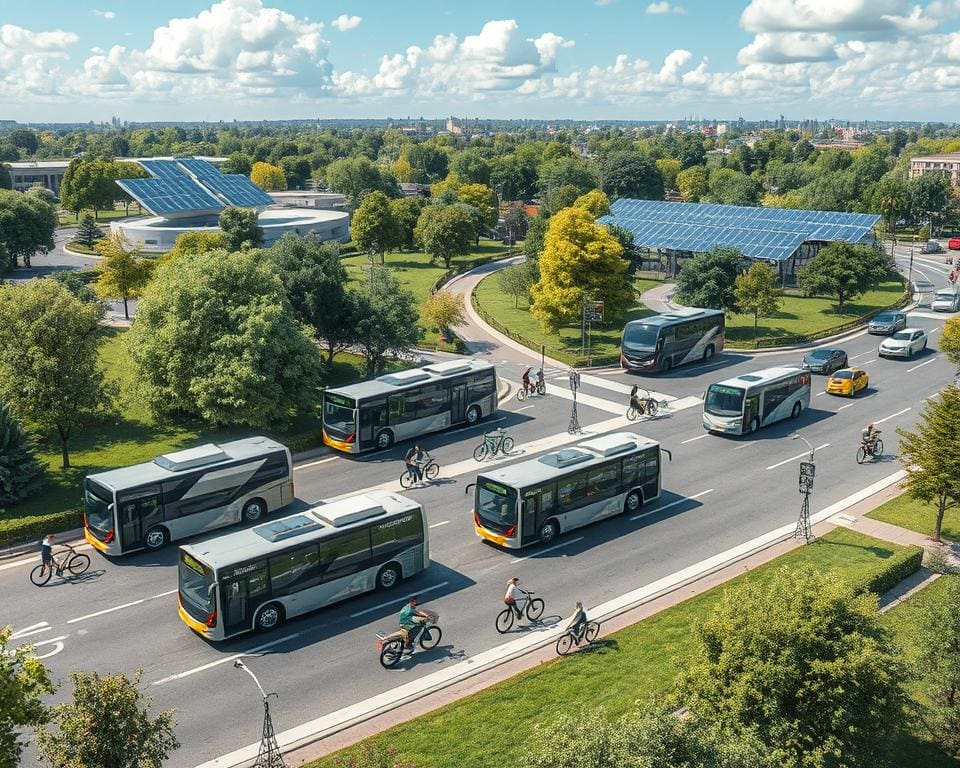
x=852, y=517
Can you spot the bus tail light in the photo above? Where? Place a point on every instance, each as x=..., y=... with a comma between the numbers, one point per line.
x=476, y=520
x=350, y=437
x=510, y=531
x=211, y=619
x=108, y=538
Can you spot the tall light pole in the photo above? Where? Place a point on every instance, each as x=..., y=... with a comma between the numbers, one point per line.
x=269, y=755
x=808, y=470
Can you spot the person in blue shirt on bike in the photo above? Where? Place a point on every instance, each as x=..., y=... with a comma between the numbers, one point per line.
x=410, y=618
x=46, y=554
x=416, y=459
x=578, y=622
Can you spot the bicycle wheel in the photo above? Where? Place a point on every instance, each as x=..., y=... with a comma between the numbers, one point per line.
x=507, y=445
x=632, y=414
x=593, y=629
x=391, y=653
x=565, y=644
x=521, y=394
x=78, y=563
x=535, y=609
x=406, y=479
x=505, y=620
x=430, y=637
x=878, y=448
x=541, y=388
x=40, y=575
x=480, y=452
x=432, y=471
x=861, y=454
x=651, y=407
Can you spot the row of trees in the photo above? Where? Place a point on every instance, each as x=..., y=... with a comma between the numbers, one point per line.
x=27, y=223
x=91, y=184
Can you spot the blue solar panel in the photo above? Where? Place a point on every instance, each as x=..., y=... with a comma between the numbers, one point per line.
x=235, y=188
x=170, y=195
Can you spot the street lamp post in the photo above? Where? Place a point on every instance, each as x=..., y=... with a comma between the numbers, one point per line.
x=269, y=755
x=808, y=470
x=574, y=426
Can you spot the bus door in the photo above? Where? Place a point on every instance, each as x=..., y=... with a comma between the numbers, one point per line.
x=373, y=416
x=536, y=506
x=140, y=510
x=241, y=596
x=458, y=402
x=751, y=411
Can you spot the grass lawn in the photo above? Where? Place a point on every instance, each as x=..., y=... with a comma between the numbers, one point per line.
x=903, y=622
x=632, y=664
x=73, y=245
x=134, y=436
x=418, y=275
x=68, y=219
x=605, y=340
x=805, y=315
x=917, y=516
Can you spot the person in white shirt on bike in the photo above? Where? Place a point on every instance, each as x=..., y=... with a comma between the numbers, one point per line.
x=515, y=597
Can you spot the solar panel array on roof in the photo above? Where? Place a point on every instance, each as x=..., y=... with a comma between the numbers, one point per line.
x=234, y=188
x=171, y=194
x=768, y=233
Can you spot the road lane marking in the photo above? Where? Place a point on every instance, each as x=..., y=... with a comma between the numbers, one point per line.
x=799, y=456
x=746, y=445
x=867, y=362
x=672, y=504
x=548, y=549
x=56, y=642
x=911, y=370
x=437, y=525
x=820, y=394
x=474, y=426
x=226, y=660
x=848, y=405
x=314, y=463
x=381, y=606
x=862, y=354
x=120, y=607
x=892, y=415
x=33, y=629
x=698, y=437
x=934, y=331
x=525, y=408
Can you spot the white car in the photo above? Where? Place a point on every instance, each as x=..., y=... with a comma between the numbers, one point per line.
x=905, y=343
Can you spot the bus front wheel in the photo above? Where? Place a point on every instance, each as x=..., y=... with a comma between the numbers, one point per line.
x=253, y=510
x=633, y=502
x=754, y=425
x=384, y=439
x=797, y=407
x=472, y=415
x=156, y=538
x=269, y=617
x=549, y=531
x=388, y=577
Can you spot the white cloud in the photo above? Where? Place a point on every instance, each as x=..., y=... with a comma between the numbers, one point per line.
x=821, y=15
x=104, y=14
x=29, y=61
x=788, y=47
x=658, y=8
x=345, y=23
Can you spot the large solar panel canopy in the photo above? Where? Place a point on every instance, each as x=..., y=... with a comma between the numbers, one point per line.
x=759, y=233
x=191, y=187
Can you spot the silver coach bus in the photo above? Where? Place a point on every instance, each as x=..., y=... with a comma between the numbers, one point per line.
x=407, y=404
x=749, y=401
x=145, y=506
x=256, y=578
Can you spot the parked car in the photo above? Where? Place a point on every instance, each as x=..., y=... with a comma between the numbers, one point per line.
x=954, y=244
x=947, y=300
x=848, y=382
x=887, y=322
x=825, y=360
x=931, y=246
x=905, y=343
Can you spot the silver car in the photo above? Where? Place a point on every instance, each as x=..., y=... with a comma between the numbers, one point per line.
x=905, y=343
x=887, y=322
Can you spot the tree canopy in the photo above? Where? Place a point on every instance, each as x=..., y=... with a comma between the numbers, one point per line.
x=445, y=232
x=123, y=273
x=756, y=292
x=631, y=174
x=373, y=227
x=268, y=177
x=24, y=682
x=387, y=320
x=709, y=278
x=843, y=271
x=239, y=229
x=27, y=224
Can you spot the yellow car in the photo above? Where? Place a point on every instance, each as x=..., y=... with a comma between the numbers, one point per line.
x=847, y=381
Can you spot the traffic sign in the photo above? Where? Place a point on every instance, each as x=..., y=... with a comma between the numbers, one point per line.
x=593, y=311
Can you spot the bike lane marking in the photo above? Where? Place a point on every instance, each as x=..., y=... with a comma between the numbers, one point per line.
x=298, y=467
x=120, y=607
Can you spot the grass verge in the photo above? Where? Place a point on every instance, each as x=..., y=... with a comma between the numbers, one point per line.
x=634, y=663
x=67, y=219
x=917, y=516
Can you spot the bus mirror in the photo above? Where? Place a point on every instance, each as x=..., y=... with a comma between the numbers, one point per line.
x=467, y=489
x=111, y=508
x=668, y=452
x=703, y=395
x=211, y=588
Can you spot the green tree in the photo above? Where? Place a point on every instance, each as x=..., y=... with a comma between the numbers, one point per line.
x=732, y=187
x=49, y=368
x=484, y=199
x=843, y=271
x=692, y=183
x=631, y=174
x=471, y=167
x=296, y=171
x=21, y=475
x=931, y=455
x=238, y=162
x=88, y=184
x=25, y=139
x=107, y=724
x=80, y=288
x=536, y=232
x=950, y=341
x=6, y=181
x=315, y=282
x=669, y=169
x=216, y=337
x=558, y=198
x=88, y=232
x=443, y=310
x=930, y=195
x=268, y=177
x=516, y=222
x=756, y=292
x=597, y=203
x=240, y=229
x=24, y=681
x=708, y=279
x=938, y=666
x=445, y=232
x=26, y=225
x=803, y=662
x=405, y=212
x=891, y=199
x=387, y=321
x=373, y=228
x=195, y=242
x=356, y=176
x=580, y=260
x=517, y=280
x=567, y=171
x=123, y=273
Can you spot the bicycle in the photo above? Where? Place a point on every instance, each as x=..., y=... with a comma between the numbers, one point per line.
x=569, y=639
x=391, y=646
x=873, y=449
x=648, y=407
x=76, y=563
x=430, y=470
x=540, y=388
x=495, y=441
x=533, y=609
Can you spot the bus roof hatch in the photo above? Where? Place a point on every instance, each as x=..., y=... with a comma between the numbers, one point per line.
x=191, y=458
x=351, y=516
x=400, y=378
x=449, y=367
x=287, y=527
x=610, y=445
x=564, y=458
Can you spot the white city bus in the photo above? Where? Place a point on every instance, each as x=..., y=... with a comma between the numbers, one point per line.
x=256, y=578
x=537, y=499
x=145, y=506
x=407, y=404
x=753, y=400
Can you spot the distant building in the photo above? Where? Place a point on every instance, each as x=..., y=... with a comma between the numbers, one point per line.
x=948, y=165
x=412, y=189
x=848, y=145
x=325, y=201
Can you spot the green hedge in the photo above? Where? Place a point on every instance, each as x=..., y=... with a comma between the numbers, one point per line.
x=18, y=530
x=900, y=566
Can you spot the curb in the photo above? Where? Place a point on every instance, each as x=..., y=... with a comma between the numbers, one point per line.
x=79, y=254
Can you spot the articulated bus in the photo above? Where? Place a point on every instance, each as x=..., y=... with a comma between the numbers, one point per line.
x=256, y=578
x=753, y=400
x=407, y=404
x=145, y=506
x=662, y=342
x=535, y=500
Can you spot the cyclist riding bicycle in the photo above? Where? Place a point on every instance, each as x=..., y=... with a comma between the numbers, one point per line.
x=578, y=622
x=540, y=382
x=527, y=386
x=46, y=554
x=410, y=618
x=868, y=436
x=515, y=597
x=635, y=399
x=416, y=459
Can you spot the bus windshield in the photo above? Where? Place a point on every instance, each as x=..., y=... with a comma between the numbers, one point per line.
x=195, y=581
x=640, y=336
x=339, y=415
x=723, y=400
x=496, y=506
x=97, y=501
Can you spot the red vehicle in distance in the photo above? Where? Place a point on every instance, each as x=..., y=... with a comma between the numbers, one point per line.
x=954, y=244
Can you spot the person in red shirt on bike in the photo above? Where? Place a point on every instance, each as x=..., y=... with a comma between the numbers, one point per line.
x=527, y=386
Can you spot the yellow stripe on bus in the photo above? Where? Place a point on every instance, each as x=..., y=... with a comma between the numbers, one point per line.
x=94, y=541
x=191, y=622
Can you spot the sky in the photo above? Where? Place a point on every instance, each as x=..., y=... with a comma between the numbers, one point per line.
x=79, y=60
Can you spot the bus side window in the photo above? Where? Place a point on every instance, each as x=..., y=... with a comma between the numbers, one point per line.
x=345, y=555
x=293, y=571
x=481, y=385
x=274, y=468
x=631, y=470
x=393, y=537
x=572, y=490
x=548, y=498
x=398, y=409
x=603, y=481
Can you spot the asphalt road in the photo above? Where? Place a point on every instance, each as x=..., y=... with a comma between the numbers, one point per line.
x=718, y=492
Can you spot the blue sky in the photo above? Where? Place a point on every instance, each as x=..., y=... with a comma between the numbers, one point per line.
x=636, y=59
